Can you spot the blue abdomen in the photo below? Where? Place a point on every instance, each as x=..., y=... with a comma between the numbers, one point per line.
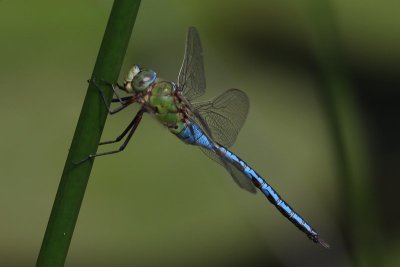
x=193, y=135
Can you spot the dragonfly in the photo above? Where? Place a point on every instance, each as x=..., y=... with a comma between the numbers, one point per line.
x=211, y=125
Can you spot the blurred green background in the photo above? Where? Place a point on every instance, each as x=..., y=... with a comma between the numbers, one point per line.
x=323, y=82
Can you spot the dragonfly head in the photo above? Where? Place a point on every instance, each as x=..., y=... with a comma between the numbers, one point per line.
x=139, y=79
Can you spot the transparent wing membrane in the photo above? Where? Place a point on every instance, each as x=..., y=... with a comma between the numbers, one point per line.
x=225, y=115
x=240, y=179
x=221, y=119
x=191, y=79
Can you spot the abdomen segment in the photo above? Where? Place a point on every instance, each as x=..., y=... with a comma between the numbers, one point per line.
x=192, y=134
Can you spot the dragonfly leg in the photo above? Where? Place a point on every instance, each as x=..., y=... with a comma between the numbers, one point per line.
x=135, y=123
x=125, y=101
x=119, y=138
x=113, y=88
x=118, y=109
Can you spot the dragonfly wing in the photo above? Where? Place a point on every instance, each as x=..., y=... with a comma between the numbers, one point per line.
x=191, y=79
x=239, y=177
x=221, y=119
x=224, y=115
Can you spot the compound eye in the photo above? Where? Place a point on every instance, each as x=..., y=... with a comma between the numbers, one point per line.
x=144, y=79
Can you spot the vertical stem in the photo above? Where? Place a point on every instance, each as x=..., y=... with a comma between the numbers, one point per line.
x=359, y=224
x=87, y=135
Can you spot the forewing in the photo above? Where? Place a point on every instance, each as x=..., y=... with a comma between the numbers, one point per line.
x=191, y=79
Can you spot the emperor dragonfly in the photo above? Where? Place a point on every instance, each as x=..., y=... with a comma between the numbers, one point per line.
x=212, y=125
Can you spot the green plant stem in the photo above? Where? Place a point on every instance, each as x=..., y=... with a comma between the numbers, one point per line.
x=87, y=135
x=359, y=224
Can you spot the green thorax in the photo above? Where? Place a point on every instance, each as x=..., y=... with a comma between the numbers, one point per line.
x=166, y=106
